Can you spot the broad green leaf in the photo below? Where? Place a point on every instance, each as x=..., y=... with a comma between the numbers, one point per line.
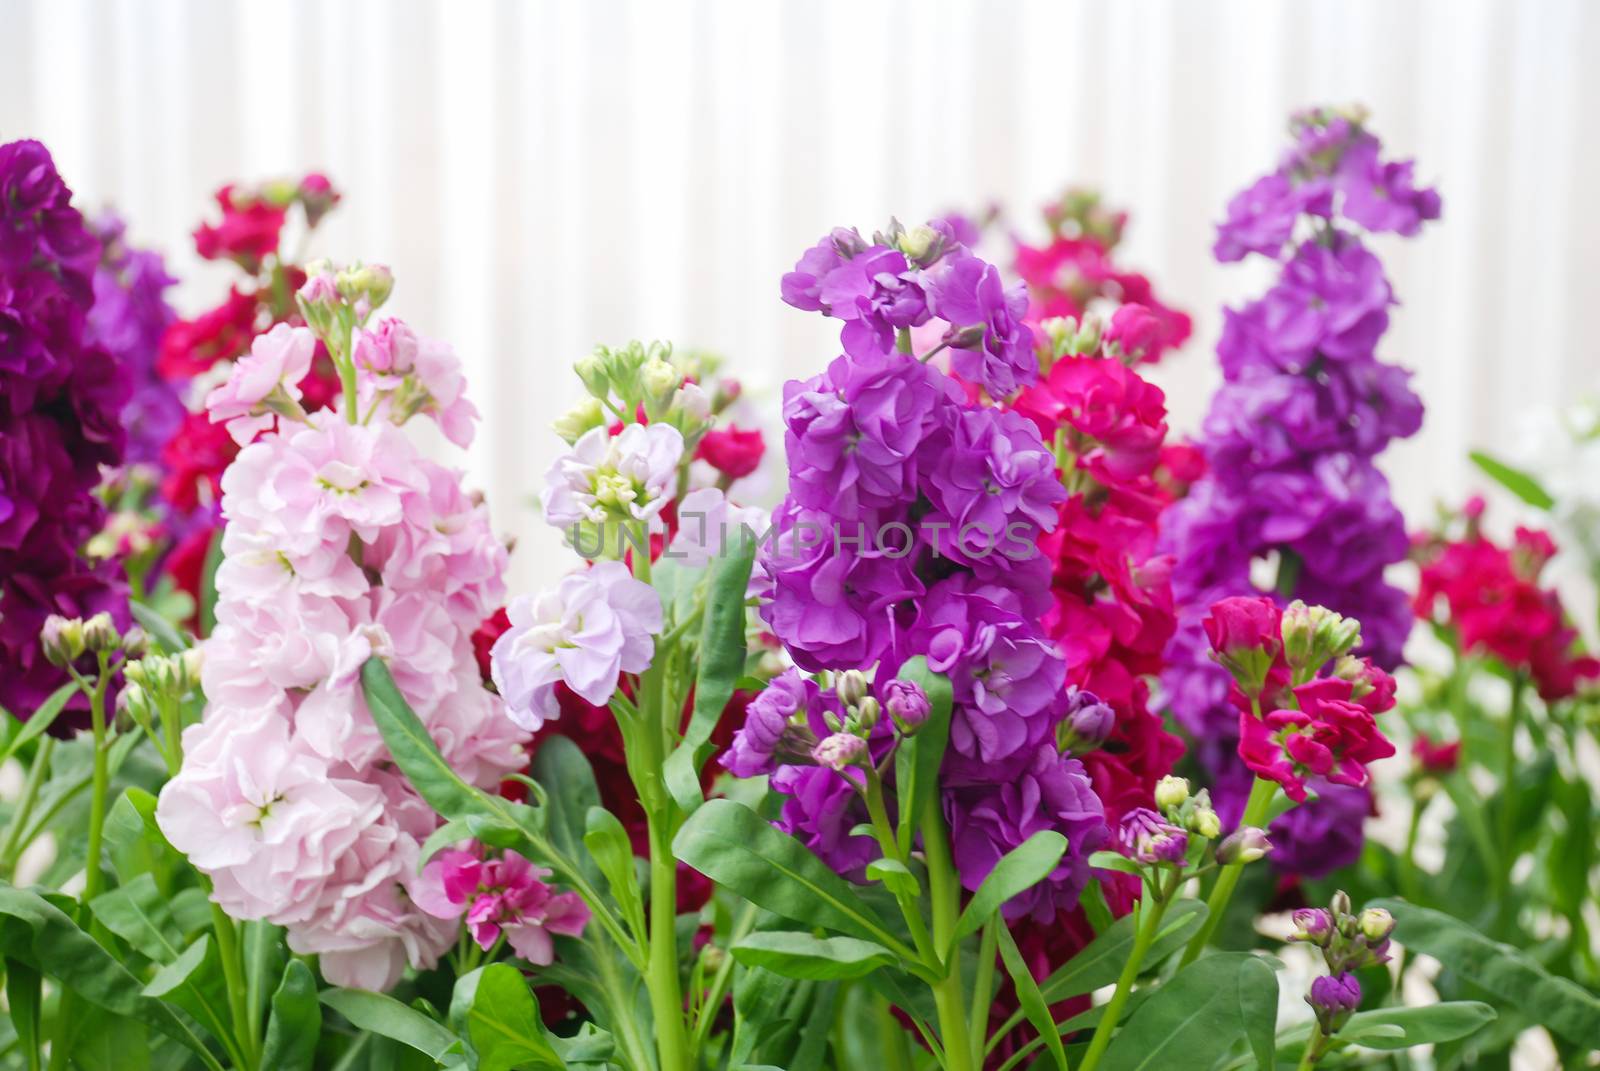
x=295, y=1022
x=1514, y=480
x=140, y=915
x=895, y=875
x=158, y=628
x=721, y=658
x=590, y=1049
x=1100, y=961
x=1107, y=860
x=106, y=1042
x=1563, y=1006
x=1427, y=1025
x=1018, y=870
x=501, y=1018
x=387, y=1017
x=733, y=846
x=564, y=771
x=132, y=838
x=917, y=760
x=1034, y=1007
x=41, y=720
x=36, y=932
x=1193, y=1019
x=23, y=1002
x=194, y=983
x=800, y=955
x=612, y=851
x=413, y=749
x=1258, y=1009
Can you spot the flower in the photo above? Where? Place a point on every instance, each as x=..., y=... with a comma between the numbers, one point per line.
x=731, y=451
x=626, y=477
x=1334, y=998
x=595, y=624
x=1328, y=735
x=248, y=232
x=1145, y=837
x=504, y=896
x=277, y=361
x=839, y=751
x=874, y=289
x=992, y=344
x=906, y=703
x=1435, y=758
x=758, y=747
x=995, y=489
x=708, y=523
x=1246, y=632
x=1244, y=845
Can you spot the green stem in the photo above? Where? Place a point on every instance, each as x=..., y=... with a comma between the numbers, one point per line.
x=896, y=1046
x=246, y=1029
x=945, y=893
x=666, y=993
x=983, y=988
x=1313, y=1052
x=1508, y=780
x=1408, y=860
x=1149, y=926
x=720, y=981
x=101, y=784
x=38, y=770
x=1255, y=814
x=878, y=812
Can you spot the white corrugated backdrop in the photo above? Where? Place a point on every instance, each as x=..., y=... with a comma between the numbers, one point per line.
x=546, y=175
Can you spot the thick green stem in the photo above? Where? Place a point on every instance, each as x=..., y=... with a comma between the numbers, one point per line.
x=38, y=771
x=1313, y=1052
x=945, y=893
x=246, y=1029
x=1149, y=926
x=666, y=991
x=1255, y=814
x=101, y=784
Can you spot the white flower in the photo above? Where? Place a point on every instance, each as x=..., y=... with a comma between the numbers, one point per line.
x=708, y=523
x=624, y=477
x=594, y=625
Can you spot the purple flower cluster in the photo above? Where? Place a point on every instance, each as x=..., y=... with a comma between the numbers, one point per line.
x=911, y=529
x=1291, y=435
x=129, y=316
x=61, y=400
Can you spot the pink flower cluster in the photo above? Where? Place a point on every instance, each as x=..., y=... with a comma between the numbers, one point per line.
x=504, y=897
x=341, y=543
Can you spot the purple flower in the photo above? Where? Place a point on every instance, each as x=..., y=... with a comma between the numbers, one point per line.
x=992, y=483
x=756, y=747
x=992, y=346
x=1382, y=196
x=1087, y=722
x=1146, y=837
x=906, y=703
x=989, y=816
x=1334, y=997
x=61, y=403
x=821, y=811
x=874, y=289
x=1261, y=219
x=1006, y=674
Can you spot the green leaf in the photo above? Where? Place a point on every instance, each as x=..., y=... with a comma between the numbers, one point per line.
x=1563, y=1006
x=564, y=771
x=1258, y=1009
x=36, y=932
x=733, y=846
x=35, y=726
x=413, y=749
x=295, y=1023
x=133, y=840
x=387, y=1017
x=895, y=875
x=721, y=657
x=23, y=1001
x=1030, y=997
x=1193, y=1019
x=800, y=955
x=590, y=1048
x=608, y=843
x=501, y=1019
x=194, y=983
x=917, y=759
x=158, y=628
x=1516, y=481
x=1100, y=961
x=105, y=1042
x=138, y=913
x=1018, y=870
x=1426, y=1025
x=1105, y=860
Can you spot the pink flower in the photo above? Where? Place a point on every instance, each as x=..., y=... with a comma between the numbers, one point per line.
x=276, y=363
x=1330, y=735
x=708, y=524
x=595, y=624
x=732, y=452
x=504, y=896
x=1246, y=634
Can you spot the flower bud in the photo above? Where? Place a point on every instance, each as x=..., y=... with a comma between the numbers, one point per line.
x=690, y=407
x=595, y=374
x=319, y=300
x=1434, y=758
x=1088, y=723
x=1244, y=845
x=1340, y=904
x=583, y=417
x=1313, y=925
x=1334, y=997
x=62, y=639
x=135, y=644
x=659, y=379
x=190, y=662
x=839, y=750
x=712, y=958
x=866, y=715
x=1146, y=837
x=134, y=701
x=1375, y=925
x=317, y=197
x=1205, y=822
x=100, y=633
x=1246, y=634
x=921, y=245
x=1172, y=792
x=966, y=338
x=852, y=686
x=365, y=286
x=908, y=705
x=728, y=391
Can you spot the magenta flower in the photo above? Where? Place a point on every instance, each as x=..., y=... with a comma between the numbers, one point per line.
x=502, y=897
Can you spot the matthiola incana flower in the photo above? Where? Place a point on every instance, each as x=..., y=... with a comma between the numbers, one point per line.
x=268, y=376
x=595, y=624
x=621, y=478
x=991, y=342
x=501, y=897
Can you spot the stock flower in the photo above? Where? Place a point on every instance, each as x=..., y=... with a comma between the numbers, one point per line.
x=755, y=748
x=625, y=477
x=277, y=361
x=874, y=289
x=504, y=896
x=190, y=347
x=248, y=232
x=1435, y=757
x=595, y=624
x=994, y=489
x=906, y=703
x=991, y=344
x=1328, y=734
x=1145, y=837
x=708, y=523
x=732, y=451
x=1333, y=998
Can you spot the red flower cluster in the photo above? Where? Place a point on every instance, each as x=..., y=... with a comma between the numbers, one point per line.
x=732, y=451
x=1076, y=270
x=194, y=458
x=1492, y=598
